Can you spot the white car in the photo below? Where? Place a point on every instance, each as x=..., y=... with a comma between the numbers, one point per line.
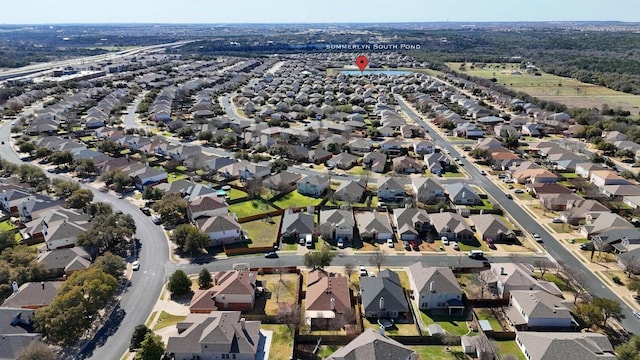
x=363, y=271
x=445, y=240
x=390, y=243
x=135, y=266
x=482, y=172
x=455, y=246
x=636, y=315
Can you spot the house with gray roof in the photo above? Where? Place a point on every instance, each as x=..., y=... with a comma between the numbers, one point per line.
x=217, y=335
x=63, y=262
x=427, y=190
x=537, y=309
x=343, y=161
x=221, y=229
x=451, y=225
x=16, y=331
x=383, y=296
x=490, y=226
x=565, y=346
x=374, y=226
x=281, y=180
x=598, y=222
x=313, y=185
x=351, y=190
x=462, y=194
x=437, y=163
x=411, y=223
x=341, y=222
x=375, y=161
x=32, y=295
x=435, y=288
x=372, y=345
x=297, y=225
x=503, y=278
x=391, y=189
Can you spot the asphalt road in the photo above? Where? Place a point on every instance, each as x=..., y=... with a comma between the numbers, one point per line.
x=595, y=286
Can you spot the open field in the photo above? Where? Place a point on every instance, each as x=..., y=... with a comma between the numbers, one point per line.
x=250, y=207
x=262, y=232
x=281, y=343
x=295, y=199
x=438, y=352
x=568, y=91
x=165, y=319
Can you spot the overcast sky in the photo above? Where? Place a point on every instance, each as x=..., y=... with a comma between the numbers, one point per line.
x=311, y=11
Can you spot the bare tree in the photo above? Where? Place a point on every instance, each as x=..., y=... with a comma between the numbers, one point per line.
x=290, y=314
x=543, y=265
x=485, y=348
x=280, y=269
x=578, y=286
x=630, y=263
x=349, y=269
x=484, y=279
x=378, y=259
x=278, y=289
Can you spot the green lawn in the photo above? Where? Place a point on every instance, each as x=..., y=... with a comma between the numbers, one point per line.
x=281, y=342
x=397, y=329
x=485, y=314
x=324, y=351
x=453, y=174
x=509, y=347
x=295, y=199
x=150, y=319
x=562, y=285
x=454, y=325
x=6, y=226
x=262, y=232
x=438, y=352
x=165, y=319
x=472, y=244
x=234, y=194
x=175, y=176
x=250, y=207
x=486, y=205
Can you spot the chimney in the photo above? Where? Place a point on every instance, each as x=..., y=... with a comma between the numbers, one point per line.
x=332, y=304
x=15, y=287
x=42, y=283
x=502, y=271
x=432, y=287
x=242, y=323
x=381, y=304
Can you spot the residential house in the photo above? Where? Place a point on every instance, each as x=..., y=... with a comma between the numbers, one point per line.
x=598, y=222
x=144, y=176
x=17, y=331
x=437, y=163
x=406, y=165
x=232, y=290
x=360, y=146
x=383, y=296
x=32, y=295
x=435, y=288
x=375, y=161
x=297, y=225
x=503, y=278
x=601, y=178
x=564, y=345
x=576, y=211
x=557, y=202
x=617, y=239
x=411, y=223
x=374, y=226
x=584, y=169
x=344, y=161
x=468, y=130
x=391, y=190
x=319, y=156
x=531, y=129
x=620, y=191
x=313, y=185
x=63, y=262
x=222, y=229
x=372, y=345
x=206, y=206
x=340, y=222
x=283, y=180
x=217, y=335
x=427, y=190
x=62, y=233
x=451, y=225
x=34, y=231
x=424, y=147
x=244, y=170
x=537, y=309
x=327, y=297
x=351, y=190
x=490, y=227
x=462, y=194
x=36, y=206
x=12, y=198
x=533, y=175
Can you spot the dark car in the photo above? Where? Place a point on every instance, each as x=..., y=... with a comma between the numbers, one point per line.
x=486, y=264
x=145, y=210
x=271, y=255
x=586, y=246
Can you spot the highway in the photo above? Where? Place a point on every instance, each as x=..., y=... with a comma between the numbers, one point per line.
x=595, y=286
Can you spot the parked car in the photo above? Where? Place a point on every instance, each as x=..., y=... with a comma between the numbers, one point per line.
x=490, y=244
x=390, y=243
x=455, y=246
x=145, y=210
x=509, y=196
x=340, y=243
x=586, y=246
x=556, y=221
x=156, y=219
x=537, y=237
x=271, y=255
x=482, y=172
x=363, y=271
x=445, y=240
x=135, y=266
x=518, y=191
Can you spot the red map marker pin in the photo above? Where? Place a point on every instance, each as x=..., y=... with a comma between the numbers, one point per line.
x=362, y=62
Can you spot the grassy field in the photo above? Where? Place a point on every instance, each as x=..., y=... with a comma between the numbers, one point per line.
x=252, y=207
x=295, y=199
x=6, y=226
x=454, y=325
x=175, y=176
x=509, y=347
x=165, y=319
x=551, y=87
x=438, y=352
x=234, y=194
x=262, y=232
x=485, y=314
x=397, y=329
x=281, y=342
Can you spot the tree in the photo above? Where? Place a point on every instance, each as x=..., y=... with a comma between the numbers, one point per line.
x=108, y=147
x=204, y=279
x=179, y=283
x=253, y=188
x=634, y=286
x=349, y=269
x=85, y=168
x=26, y=147
x=117, y=179
x=152, y=193
x=543, y=265
x=151, y=348
x=318, y=259
x=610, y=309
x=185, y=132
x=629, y=350
x=290, y=314
x=99, y=208
x=61, y=158
x=607, y=148
x=80, y=198
x=378, y=259
x=34, y=176
x=37, y=351
x=577, y=285
x=630, y=263
x=510, y=142
x=111, y=232
x=480, y=154
x=172, y=208
x=138, y=336
x=589, y=314
x=190, y=239
x=111, y=264
x=64, y=188
x=278, y=289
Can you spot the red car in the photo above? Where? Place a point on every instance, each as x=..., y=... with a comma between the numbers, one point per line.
x=490, y=244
